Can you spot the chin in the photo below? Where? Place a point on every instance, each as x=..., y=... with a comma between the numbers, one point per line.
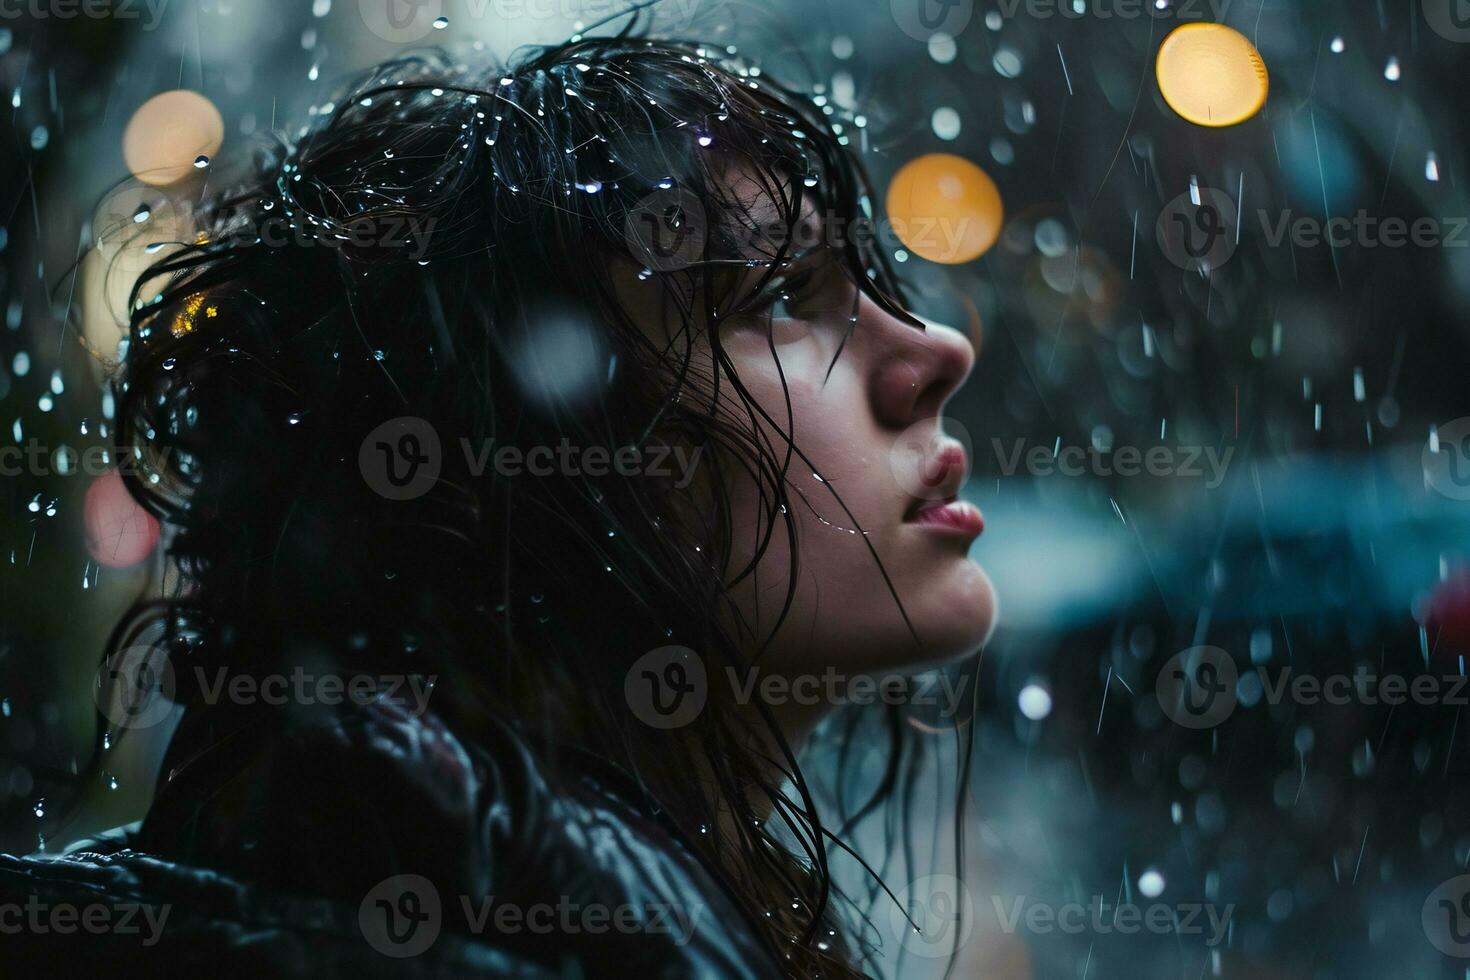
x=956, y=615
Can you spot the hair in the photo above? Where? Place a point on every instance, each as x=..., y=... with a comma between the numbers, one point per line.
x=255, y=368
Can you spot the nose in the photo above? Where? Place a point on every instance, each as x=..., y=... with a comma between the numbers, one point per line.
x=915, y=372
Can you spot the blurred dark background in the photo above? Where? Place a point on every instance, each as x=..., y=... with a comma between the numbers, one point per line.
x=1330, y=539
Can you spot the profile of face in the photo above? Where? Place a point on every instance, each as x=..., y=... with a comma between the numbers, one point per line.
x=883, y=577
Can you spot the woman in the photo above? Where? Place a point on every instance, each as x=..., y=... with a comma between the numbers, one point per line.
x=654, y=266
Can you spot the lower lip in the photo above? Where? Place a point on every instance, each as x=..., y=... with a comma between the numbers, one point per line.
x=957, y=517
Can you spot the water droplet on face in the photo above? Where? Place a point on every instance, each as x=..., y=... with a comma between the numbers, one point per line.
x=201, y=161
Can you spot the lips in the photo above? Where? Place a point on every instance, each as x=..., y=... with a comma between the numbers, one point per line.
x=958, y=516
x=936, y=504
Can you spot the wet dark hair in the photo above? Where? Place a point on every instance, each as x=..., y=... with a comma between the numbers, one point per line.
x=257, y=364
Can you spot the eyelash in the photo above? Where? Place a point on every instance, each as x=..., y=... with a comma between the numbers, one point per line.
x=786, y=293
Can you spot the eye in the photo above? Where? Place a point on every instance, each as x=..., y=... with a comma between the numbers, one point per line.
x=783, y=307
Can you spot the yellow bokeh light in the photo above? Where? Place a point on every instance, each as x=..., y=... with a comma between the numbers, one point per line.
x=134, y=227
x=944, y=208
x=1212, y=75
x=168, y=133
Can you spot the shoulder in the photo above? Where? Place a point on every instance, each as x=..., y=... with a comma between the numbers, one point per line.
x=380, y=806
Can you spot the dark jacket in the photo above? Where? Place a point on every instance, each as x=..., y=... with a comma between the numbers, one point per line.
x=365, y=841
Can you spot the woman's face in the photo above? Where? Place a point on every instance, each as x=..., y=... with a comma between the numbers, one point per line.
x=868, y=421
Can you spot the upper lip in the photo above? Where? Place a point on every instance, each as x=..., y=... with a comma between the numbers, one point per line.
x=942, y=473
